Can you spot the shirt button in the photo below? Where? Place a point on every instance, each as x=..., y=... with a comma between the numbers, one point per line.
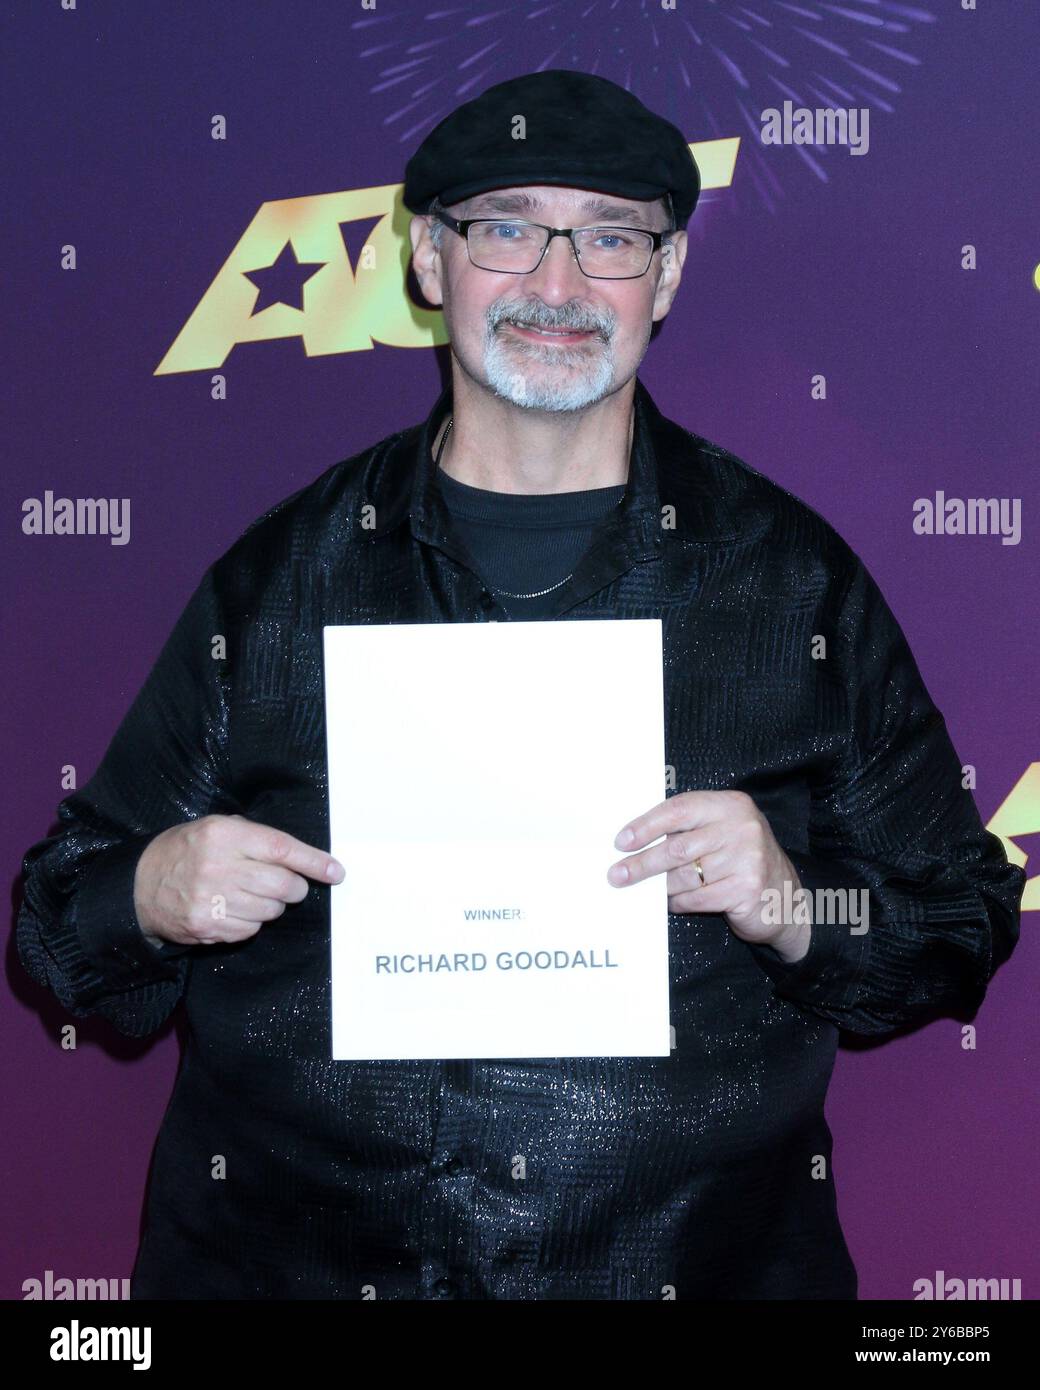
x=444, y=1288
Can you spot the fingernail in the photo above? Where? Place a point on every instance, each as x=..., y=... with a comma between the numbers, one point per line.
x=624, y=837
x=617, y=873
x=335, y=870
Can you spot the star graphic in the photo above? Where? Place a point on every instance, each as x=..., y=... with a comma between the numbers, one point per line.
x=1029, y=844
x=282, y=282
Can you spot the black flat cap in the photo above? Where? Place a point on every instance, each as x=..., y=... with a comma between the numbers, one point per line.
x=581, y=132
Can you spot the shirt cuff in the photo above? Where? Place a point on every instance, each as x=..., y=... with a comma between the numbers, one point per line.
x=106, y=921
x=839, y=943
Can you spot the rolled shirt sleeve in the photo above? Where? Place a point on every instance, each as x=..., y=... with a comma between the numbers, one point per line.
x=830, y=972
x=106, y=921
x=891, y=817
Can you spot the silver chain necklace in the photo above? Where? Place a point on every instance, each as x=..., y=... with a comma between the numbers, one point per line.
x=507, y=592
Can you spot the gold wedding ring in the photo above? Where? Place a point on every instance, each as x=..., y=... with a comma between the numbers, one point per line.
x=700, y=871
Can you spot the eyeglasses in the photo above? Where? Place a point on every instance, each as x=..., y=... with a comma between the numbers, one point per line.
x=517, y=247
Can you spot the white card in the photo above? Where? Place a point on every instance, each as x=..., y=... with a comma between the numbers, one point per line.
x=478, y=774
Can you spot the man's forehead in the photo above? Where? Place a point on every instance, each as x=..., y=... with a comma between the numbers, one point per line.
x=531, y=198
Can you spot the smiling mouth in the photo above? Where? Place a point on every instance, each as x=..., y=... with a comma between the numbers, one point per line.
x=551, y=332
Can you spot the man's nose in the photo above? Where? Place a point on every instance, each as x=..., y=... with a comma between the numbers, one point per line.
x=559, y=271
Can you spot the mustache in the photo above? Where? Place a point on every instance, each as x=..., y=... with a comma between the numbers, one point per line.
x=540, y=315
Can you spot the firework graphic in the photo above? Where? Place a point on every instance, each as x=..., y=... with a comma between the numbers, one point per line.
x=709, y=66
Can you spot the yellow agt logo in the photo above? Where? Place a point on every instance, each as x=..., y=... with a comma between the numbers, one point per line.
x=342, y=307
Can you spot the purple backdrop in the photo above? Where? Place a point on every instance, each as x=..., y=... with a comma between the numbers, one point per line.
x=811, y=261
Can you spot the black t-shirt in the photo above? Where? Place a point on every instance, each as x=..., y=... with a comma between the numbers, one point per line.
x=523, y=542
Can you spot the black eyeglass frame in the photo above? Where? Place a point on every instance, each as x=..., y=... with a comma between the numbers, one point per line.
x=463, y=226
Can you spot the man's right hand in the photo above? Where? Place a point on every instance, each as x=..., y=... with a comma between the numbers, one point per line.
x=221, y=877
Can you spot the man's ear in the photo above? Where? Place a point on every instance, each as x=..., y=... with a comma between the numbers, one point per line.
x=671, y=274
x=426, y=260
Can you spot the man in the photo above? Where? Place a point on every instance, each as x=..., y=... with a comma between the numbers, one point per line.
x=807, y=755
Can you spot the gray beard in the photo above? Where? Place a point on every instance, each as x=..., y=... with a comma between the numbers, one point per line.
x=536, y=389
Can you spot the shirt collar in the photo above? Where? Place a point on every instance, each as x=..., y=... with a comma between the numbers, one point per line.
x=669, y=468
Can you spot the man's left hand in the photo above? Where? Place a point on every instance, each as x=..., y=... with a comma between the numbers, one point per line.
x=738, y=854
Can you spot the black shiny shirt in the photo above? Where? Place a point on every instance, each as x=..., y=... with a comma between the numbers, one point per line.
x=702, y=1175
